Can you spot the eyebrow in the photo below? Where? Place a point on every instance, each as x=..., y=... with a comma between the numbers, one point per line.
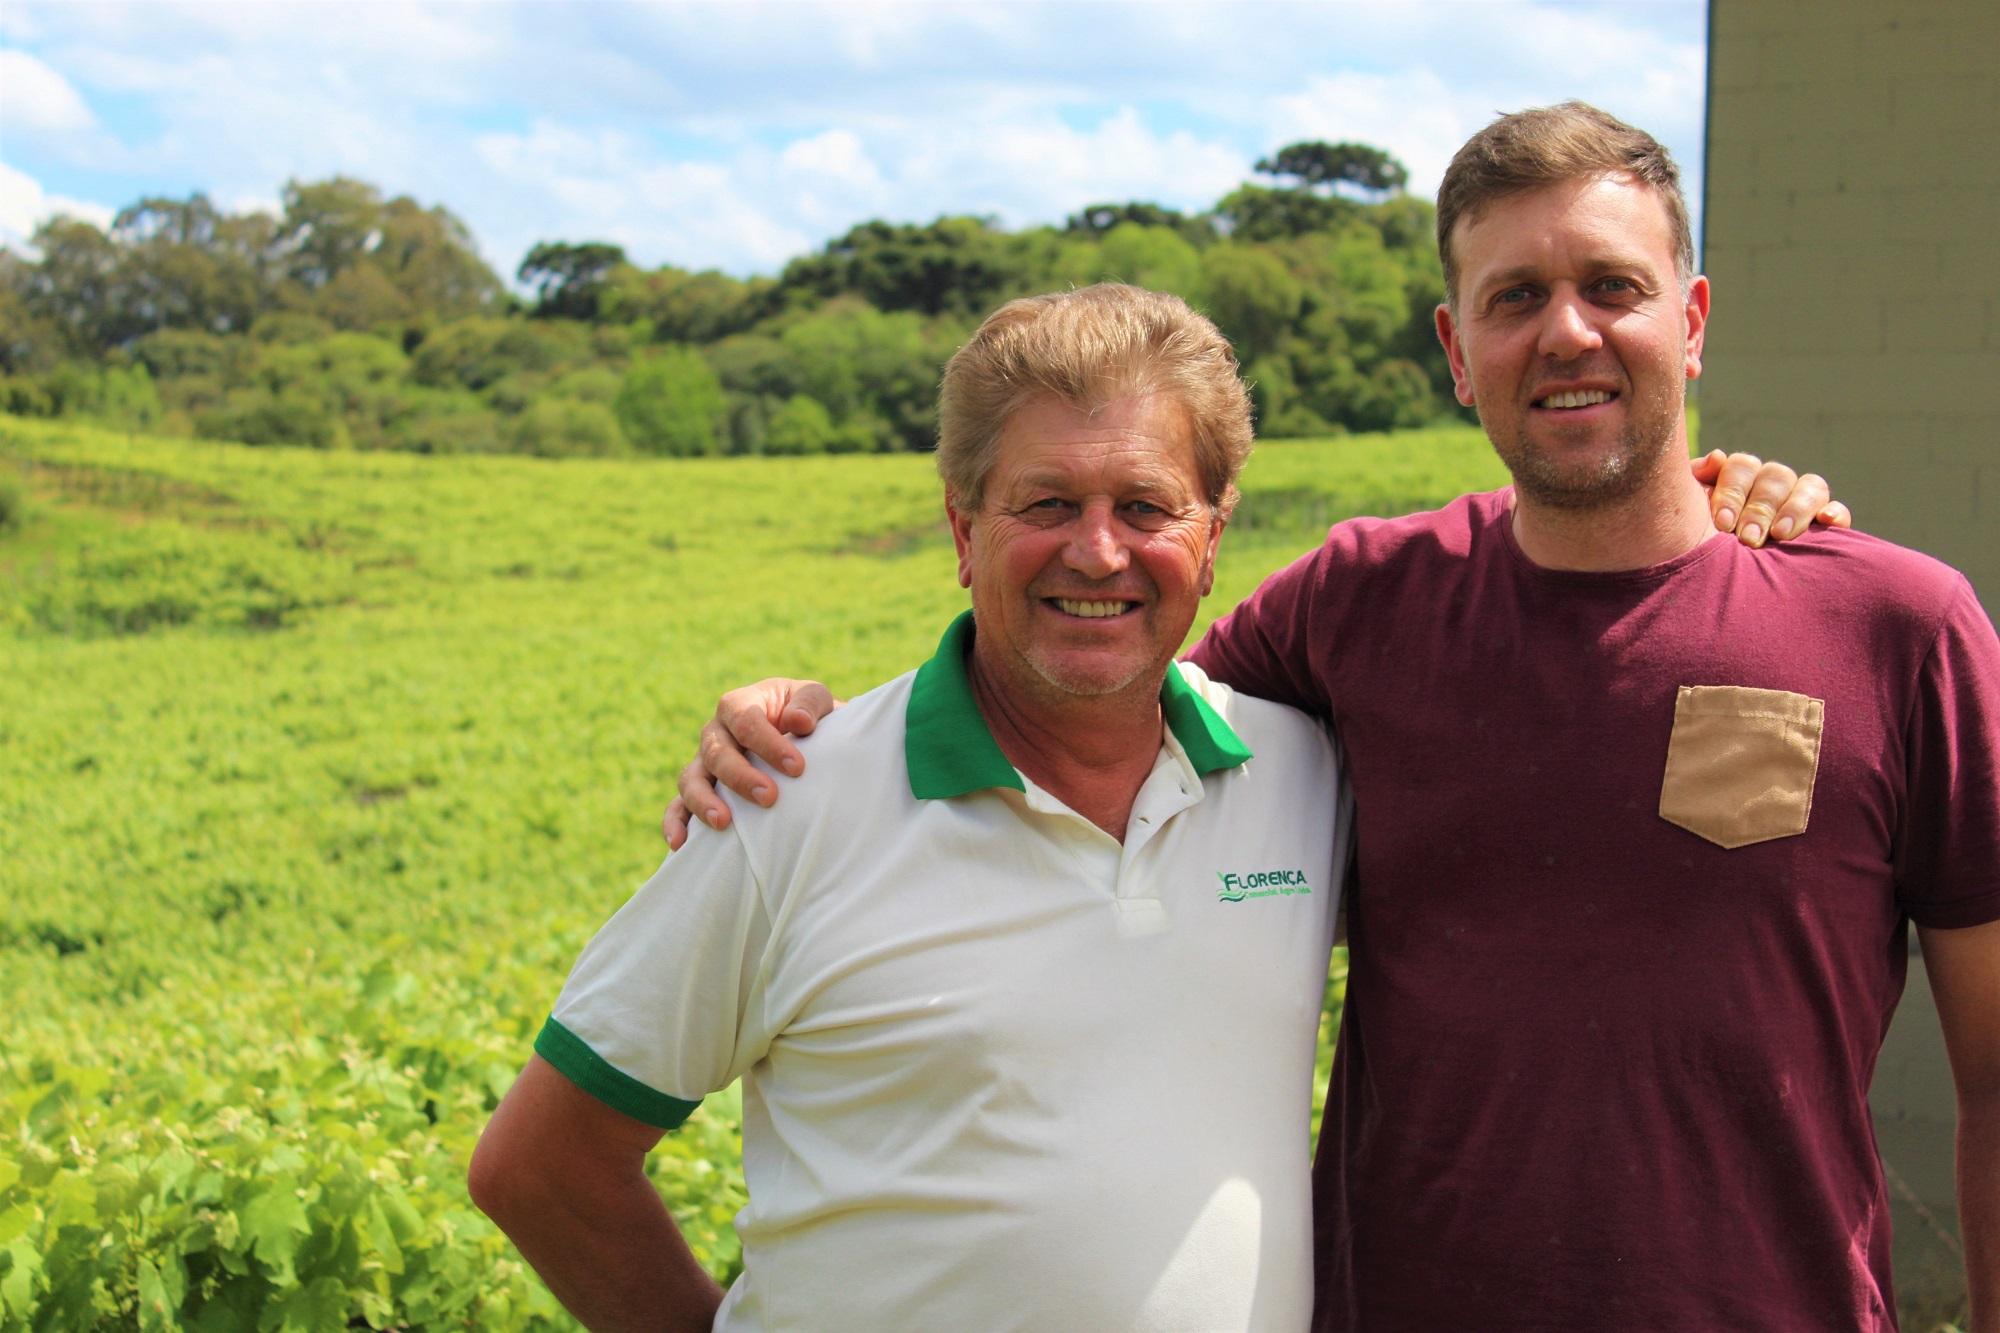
x=1605, y=263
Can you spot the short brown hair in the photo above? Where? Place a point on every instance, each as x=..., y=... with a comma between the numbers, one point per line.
x=1091, y=347
x=1553, y=145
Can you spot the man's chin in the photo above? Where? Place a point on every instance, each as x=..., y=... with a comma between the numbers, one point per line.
x=1084, y=677
x=1577, y=478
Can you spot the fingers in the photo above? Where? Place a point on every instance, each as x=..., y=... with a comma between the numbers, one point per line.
x=1795, y=511
x=810, y=701
x=722, y=758
x=699, y=798
x=1708, y=465
x=752, y=717
x=1835, y=515
x=1774, y=482
x=1733, y=476
x=674, y=824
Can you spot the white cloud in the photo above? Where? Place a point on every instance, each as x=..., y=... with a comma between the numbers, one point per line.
x=35, y=97
x=740, y=133
x=24, y=205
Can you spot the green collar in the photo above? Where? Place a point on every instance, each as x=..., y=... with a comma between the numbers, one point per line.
x=951, y=751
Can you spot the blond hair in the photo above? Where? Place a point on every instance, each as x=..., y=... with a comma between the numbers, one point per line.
x=1089, y=348
x=1554, y=145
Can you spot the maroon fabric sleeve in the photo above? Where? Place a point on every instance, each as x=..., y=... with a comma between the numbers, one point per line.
x=1948, y=845
x=1261, y=647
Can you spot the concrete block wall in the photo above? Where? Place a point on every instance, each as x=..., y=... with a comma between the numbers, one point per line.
x=1852, y=234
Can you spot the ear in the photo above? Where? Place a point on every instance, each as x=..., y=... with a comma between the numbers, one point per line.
x=1697, y=324
x=961, y=537
x=1454, y=352
x=1215, y=528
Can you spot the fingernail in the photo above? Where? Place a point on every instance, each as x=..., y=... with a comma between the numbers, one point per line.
x=1782, y=528
x=763, y=795
x=714, y=813
x=1753, y=533
x=790, y=764
x=1725, y=518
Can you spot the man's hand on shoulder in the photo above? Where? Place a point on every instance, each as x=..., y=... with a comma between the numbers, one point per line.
x=755, y=720
x=1755, y=499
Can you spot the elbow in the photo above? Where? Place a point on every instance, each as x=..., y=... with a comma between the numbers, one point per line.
x=497, y=1178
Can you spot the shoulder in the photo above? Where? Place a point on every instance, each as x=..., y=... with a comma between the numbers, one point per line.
x=1446, y=534
x=1853, y=573
x=855, y=771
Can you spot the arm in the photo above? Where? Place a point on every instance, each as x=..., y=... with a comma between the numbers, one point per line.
x=564, y=1176
x=1747, y=496
x=1964, y=967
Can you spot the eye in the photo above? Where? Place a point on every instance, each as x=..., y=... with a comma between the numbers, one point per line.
x=1047, y=510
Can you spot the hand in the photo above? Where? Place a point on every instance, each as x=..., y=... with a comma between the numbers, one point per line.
x=1755, y=499
x=756, y=718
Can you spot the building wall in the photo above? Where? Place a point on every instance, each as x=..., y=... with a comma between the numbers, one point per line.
x=1852, y=234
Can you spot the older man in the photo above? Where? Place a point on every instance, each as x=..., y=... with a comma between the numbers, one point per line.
x=1645, y=818
x=1023, y=982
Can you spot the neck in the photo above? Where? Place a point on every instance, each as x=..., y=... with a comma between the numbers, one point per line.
x=1091, y=753
x=1668, y=516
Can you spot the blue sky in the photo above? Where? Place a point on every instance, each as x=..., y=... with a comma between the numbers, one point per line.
x=735, y=135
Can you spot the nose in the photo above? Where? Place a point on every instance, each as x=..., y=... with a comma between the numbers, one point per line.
x=1568, y=330
x=1095, y=549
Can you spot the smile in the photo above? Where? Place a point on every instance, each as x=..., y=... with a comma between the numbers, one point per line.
x=1578, y=398
x=1090, y=610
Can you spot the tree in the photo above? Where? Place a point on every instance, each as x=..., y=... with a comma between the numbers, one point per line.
x=568, y=279
x=957, y=265
x=1260, y=214
x=1325, y=167
x=671, y=403
x=1101, y=219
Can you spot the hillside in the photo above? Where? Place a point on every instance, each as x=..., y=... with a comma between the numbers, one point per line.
x=317, y=768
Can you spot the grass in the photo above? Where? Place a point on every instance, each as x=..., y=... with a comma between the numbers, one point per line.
x=316, y=769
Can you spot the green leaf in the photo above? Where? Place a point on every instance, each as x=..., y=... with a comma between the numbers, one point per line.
x=156, y=1308
x=17, y=1288
x=15, y=1221
x=9, y=1173
x=318, y=1307
x=275, y=1222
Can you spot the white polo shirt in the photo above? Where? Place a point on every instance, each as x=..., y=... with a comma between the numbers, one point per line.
x=999, y=1071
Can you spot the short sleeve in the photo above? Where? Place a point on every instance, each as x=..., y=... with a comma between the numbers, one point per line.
x=1948, y=845
x=661, y=1008
x=1261, y=647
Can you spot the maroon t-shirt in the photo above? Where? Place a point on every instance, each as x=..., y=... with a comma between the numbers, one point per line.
x=1597, y=1071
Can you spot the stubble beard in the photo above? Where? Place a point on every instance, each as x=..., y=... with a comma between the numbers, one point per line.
x=1065, y=681
x=1604, y=481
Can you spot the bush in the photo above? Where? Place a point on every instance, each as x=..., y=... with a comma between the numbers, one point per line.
x=801, y=426
x=13, y=502
x=567, y=428
x=672, y=403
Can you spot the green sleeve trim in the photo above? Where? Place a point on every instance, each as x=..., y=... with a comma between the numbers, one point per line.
x=575, y=1061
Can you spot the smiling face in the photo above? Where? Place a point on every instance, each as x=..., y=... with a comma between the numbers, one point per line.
x=1091, y=549
x=1574, y=338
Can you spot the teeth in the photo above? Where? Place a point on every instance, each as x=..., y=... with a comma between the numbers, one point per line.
x=1091, y=609
x=1589, y=399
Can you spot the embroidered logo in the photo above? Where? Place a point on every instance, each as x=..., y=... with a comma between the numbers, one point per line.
x=1261, y=884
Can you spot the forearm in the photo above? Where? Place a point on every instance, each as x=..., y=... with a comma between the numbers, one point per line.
x=1979, y=1204
x=611, y=1254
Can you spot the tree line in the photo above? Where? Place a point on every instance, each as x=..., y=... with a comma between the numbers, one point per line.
x=349, y=319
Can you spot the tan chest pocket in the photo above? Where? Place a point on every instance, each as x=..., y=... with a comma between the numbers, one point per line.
x=1741, y=764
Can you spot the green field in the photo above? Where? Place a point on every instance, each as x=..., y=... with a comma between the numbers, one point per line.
x=316, y=769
